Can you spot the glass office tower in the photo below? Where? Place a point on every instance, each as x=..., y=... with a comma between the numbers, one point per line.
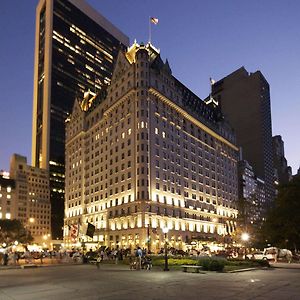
x=74, y=53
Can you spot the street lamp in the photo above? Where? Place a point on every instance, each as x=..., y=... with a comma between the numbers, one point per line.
x=165, y=231
x=148, y=238
x=245, y=238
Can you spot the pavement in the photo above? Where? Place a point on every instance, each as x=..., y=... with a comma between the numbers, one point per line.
x=56, y=263
x=118, y=282
x=46, y=262
x=285, y=266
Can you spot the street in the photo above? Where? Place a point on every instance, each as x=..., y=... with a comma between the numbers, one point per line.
x=118, y=282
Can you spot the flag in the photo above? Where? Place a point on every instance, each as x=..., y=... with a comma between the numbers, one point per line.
x=212, y=81
x=74, y=230
x=154, y=20
x=90, y=230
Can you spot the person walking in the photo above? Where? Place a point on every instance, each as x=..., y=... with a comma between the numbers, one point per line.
x=98, y=261
x=138, y=255
x=5, y=259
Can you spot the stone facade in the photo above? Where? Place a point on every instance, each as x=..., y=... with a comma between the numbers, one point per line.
x=149, y=155
x=32, y=198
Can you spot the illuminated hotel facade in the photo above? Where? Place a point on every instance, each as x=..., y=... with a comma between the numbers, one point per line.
x=150, y=155
x=75, y=49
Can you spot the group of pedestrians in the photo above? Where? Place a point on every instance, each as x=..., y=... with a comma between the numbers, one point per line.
x=11, y=258
x=140, y=260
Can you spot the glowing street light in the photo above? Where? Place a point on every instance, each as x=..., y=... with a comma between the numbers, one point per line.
x=31, y=220
x=165, y=231
x=245, y=236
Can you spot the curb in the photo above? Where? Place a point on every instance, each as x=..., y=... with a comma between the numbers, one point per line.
x=286, y=267
x=243, y=270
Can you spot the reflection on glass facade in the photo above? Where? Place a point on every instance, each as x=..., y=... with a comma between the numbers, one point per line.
x=41, y=78
x=81, y=58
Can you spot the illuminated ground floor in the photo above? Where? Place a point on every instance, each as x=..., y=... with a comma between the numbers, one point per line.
x=152, y=239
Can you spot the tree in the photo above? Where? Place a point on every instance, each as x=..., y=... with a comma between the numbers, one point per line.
x=247, y=208
x=282, y=226
x=13, y=230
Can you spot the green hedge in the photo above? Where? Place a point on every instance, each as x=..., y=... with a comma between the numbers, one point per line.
x=208, y=263
x=160, y=261
x=248, y=263
x=211, y=264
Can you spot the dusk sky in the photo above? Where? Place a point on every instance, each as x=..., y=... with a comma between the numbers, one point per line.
x=200, y=38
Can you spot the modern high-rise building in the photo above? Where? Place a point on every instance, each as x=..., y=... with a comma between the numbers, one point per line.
x=244, y=99
x=251, y=194
x=75, y=48
x=151, y=155
x=283, y=173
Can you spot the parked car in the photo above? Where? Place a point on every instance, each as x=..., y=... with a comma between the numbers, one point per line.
x=260, y=255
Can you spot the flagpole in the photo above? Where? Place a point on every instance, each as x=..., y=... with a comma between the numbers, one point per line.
x=149, y=29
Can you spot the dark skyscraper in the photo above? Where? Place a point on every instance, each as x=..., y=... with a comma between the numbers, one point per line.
x=283, y=172
x=74, y=52
x=245, y=101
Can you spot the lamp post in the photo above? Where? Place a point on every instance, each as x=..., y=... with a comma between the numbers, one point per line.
x=165, y=231
x=148, y=238
x=245, y=238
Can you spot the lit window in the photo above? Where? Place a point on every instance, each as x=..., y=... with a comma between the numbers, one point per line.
x=156, y=130
x=8, y=189
x=7, y=216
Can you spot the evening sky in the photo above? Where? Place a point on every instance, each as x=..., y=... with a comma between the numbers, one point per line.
x=200, y=38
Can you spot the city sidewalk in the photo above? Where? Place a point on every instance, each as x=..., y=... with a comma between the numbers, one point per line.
x=282, y=265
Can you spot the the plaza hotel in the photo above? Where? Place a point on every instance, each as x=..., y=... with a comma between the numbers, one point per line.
x=149, y=154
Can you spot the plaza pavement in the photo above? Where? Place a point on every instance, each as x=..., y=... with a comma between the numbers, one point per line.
x=118, y=282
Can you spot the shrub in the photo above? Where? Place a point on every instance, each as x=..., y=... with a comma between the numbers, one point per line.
x=204, y=262
x=263, y=263
x=173, y=261
x=247, y=263
x=216, y=265
x=210, y=264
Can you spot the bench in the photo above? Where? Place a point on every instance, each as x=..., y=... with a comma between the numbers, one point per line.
x=191, y=267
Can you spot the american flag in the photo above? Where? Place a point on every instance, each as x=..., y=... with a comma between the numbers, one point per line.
x=154, y=20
